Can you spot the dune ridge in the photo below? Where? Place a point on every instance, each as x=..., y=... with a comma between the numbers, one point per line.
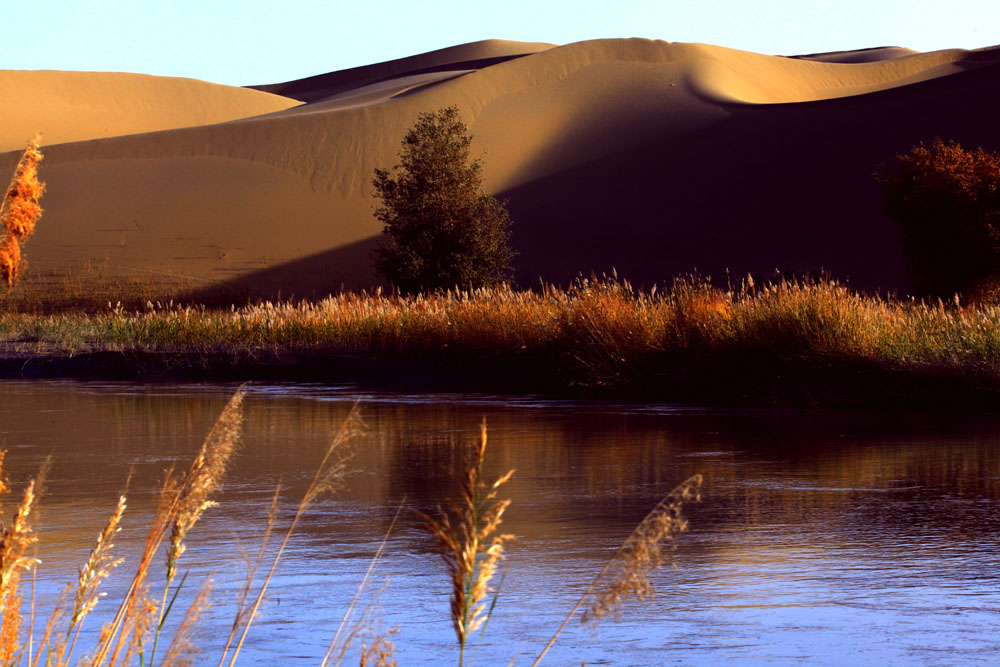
x=651, y=157
x=79, y=106
x=476, y=54
x=338, y=147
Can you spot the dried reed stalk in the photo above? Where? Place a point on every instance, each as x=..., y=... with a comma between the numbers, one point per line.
x=464, y=534
x=15, y=540
x=204, y=477
x=181, y=505
x=53, y=647
x=380, y=653
x=241, y=604
x=19, y=211
x=327, y=479
x=182, y=649
x=97, y=568
x=638, y=556
x=357, y=594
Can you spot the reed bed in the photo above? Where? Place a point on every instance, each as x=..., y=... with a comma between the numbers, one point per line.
x=597, y=334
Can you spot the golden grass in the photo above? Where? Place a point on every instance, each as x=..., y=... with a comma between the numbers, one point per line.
x=19, y=211
x=327, y=479
x=642, y=552
x=638, y=556
x=596, y=335
x=466, y=533
x=469, y=542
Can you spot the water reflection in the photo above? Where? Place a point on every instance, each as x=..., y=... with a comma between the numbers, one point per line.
x=832, y=537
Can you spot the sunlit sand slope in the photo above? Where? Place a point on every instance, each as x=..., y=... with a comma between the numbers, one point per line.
x=649, y=157
x=76, y=106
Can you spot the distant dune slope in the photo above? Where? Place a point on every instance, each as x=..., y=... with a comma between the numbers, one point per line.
x=76, y=106
x=649, y=157
x=860, y=55
x=463, y=57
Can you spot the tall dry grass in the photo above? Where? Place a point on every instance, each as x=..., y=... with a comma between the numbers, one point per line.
x=19, y=211
x=597, y=335
x=466, y=532
x=626, y=574
x=327, y=479
x=470, y=544
x=139, y=615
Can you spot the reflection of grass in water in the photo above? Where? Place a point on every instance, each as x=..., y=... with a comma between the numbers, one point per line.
x=467, y=535
x=597, y=334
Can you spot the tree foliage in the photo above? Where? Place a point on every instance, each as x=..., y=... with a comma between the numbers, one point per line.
x=947, y=201
x=441, y=229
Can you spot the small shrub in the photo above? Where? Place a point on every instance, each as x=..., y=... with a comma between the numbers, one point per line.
x=441, y=229
x=947, y=201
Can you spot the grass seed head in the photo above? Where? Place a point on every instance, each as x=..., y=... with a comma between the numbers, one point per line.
x=205, y=476
x=98, y=566
x=467, y=539
x=642, y=552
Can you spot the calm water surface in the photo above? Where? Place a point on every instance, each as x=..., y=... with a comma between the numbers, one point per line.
x=832, y=538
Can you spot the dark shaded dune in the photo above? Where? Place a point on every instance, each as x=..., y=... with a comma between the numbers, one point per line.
x=786, y=187
x=869, y=55
x=476, y=55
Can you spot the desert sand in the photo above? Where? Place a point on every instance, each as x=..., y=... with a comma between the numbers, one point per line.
x=650, y=157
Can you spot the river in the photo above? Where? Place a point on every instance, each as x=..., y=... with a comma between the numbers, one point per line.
x=822, y=537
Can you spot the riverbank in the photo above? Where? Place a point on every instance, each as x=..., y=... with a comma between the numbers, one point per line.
x=788, y=343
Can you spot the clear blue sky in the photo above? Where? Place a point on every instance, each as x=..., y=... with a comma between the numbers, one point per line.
x=258, y=41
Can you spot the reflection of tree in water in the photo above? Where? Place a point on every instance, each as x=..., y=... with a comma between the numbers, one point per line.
x=581, y=470
x=860, y=471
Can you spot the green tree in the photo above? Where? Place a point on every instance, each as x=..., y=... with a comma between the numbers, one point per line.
x=441, y=229
x=947, y=202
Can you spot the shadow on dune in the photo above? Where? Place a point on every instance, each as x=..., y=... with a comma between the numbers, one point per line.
x=319, y=87
x=345, y=268
x=784, y=186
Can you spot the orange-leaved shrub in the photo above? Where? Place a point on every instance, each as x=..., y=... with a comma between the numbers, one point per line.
x=19, y=211
x=947, y=202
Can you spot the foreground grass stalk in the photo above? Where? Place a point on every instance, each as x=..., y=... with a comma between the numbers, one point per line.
x=361, y=586
x=97, y=568
x=639, y=555
x=464, y=534
x=181, y=505
x=182, y=648
x=241, y=609
x=15, y=540
x=327, y=479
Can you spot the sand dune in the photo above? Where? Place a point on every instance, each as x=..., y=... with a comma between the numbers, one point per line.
x=464, y=57
x=650, y=157
x=77, y=106
x=860, y=55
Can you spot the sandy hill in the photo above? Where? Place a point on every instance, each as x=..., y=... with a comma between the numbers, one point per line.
x=651, y=157
x=77, y=106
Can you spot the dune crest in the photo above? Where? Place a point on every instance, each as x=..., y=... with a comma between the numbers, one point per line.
x=79, y=106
